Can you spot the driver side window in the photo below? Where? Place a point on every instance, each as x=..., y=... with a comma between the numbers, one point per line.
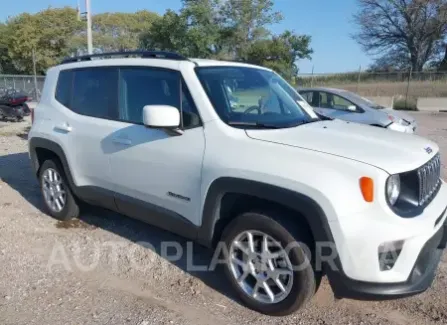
x=332, y=101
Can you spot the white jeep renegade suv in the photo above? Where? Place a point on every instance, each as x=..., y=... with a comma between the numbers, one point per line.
x=224, y=152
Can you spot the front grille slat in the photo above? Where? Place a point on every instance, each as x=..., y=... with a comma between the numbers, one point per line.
x=429, y=179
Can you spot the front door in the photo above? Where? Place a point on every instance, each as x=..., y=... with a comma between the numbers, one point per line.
x=335, y=106
x=150, y=167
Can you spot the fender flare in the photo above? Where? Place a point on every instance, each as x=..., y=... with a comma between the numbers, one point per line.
x=307, y=207
x=37, y=142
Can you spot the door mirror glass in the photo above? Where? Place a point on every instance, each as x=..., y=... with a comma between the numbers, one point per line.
x=352, y=108
x=161, y=116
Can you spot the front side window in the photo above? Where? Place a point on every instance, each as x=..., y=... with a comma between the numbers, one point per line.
x=139, y=87
x=332, y=101
x=94, y=92
x=251, y=97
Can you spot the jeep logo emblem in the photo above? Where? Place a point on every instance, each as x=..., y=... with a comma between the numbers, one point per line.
x=428, y=150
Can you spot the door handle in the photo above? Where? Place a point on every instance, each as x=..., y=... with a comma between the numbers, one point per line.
x=64, y=127
x=126, y=142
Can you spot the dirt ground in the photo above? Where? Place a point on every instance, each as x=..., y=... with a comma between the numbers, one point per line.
x=97, y=270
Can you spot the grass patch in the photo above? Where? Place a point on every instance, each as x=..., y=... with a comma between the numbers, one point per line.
x=405, y=104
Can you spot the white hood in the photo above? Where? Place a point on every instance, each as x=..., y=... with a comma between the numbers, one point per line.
x=394, y=152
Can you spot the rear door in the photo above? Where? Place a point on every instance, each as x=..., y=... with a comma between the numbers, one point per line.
x=87, y=98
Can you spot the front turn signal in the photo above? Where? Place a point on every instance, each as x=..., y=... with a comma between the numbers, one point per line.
x=367, y=188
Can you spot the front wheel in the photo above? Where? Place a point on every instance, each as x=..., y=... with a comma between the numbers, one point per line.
x=19, y=113
x=267, y=265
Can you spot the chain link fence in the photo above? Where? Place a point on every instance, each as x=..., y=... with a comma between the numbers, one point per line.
x=24, y=83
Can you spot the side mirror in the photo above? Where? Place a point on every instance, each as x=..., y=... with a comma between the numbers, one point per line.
x=162, y=117
x=352, y=108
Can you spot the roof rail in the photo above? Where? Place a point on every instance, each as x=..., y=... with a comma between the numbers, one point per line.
x=142, y=54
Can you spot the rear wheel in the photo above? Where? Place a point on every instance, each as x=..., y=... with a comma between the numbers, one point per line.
x=57, y=195
x=268, y=266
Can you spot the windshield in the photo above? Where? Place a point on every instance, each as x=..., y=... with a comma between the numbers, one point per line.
x=250, y=97
x=365, y=101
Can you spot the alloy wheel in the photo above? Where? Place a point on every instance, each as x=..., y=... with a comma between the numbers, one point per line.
x=261, y=266
x=53, y=189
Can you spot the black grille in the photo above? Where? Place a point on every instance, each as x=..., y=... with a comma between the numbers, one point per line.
x=429, y=176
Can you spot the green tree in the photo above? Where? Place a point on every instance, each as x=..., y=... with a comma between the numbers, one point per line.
x=48, y=33
x=167, y=34
x=246, y=21
x=194, y=31
x=212, y=28
x=203, y=27
x=6, y=63
x=231, y=29
x=120, y=31
x=280, y=53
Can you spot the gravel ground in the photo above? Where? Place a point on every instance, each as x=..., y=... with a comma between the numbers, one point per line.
x=97, y=270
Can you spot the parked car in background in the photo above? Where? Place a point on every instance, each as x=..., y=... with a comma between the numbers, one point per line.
x=348, y=106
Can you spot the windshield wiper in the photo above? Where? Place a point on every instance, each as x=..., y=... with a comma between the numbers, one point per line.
x=254, y=124
x=309, y=121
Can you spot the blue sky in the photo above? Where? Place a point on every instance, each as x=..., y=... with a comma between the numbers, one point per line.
x=329, y=22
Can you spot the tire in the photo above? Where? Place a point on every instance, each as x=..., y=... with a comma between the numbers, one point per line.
x=305, y=280
x=19, y=114
x=26, y=110
x=70, y=208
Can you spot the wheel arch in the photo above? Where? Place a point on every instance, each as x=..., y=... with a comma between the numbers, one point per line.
x=224, y=195
x=41, y=149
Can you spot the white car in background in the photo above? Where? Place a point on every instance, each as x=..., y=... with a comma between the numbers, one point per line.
x=348, y=106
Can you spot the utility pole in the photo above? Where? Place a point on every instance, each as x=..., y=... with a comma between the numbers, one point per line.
x=312, y=78
x=358, y=78
x=88, y=13
x=36, y=93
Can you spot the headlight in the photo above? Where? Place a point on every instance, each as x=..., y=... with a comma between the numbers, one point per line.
x=397, y=120
x=393, y=189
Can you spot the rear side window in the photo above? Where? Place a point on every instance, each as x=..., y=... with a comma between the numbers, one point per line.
x=63, y=88
x=94, y=92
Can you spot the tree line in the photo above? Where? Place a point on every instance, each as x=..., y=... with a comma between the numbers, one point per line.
x=230, y=29
x=399, y=34
x=403, y=34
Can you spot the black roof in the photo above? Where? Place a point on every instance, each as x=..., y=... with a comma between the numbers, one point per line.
x=142, y=54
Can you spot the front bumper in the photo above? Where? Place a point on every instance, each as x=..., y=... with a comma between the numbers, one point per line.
x=420, y=279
